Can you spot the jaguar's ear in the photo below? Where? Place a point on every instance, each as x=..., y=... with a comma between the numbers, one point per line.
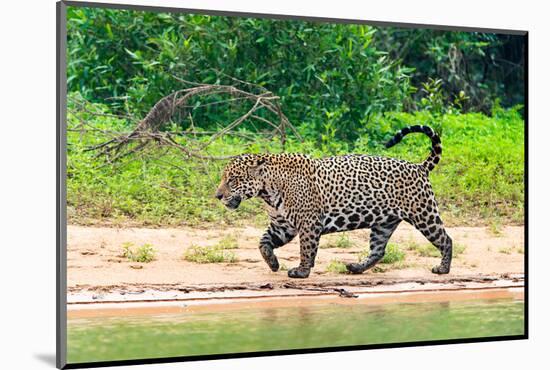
x=258, y=168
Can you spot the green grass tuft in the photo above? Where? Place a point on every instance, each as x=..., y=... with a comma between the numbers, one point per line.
x=228, y=242
x=213, y=254
x=336, y=267
x=145, y=253
x=429, y=250
x=458, y=249
x=342, y=241
x=506, y=250
x=393, y=254
x=495, y=227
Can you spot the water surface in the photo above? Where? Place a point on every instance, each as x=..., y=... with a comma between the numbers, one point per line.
x=278, y=328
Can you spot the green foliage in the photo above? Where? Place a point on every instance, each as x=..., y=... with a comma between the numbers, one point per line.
x=332, y=78
x=317, y=69
x=228, y=242
x=428, y=250
x=479, y=179
x=483, y=66
x=336, y=267
x=482, y=166
x=145, y=253
x=342, y=241
x=145, y=189
x=214, y=254
x=393, y=254
x=495, y=227
x=348, y=88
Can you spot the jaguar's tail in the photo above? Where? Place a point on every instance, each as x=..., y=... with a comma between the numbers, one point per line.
x=435, y=154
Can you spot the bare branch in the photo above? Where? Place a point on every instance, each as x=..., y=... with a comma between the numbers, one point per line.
x=153, y=127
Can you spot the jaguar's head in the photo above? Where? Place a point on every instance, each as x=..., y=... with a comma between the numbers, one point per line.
x=242, y=179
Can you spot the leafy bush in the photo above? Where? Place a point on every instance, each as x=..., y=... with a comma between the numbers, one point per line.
x=333, y=78
x=482, y=165
x=319, y=70
x=484, y=66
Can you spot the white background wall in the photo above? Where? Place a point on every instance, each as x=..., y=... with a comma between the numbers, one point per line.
x=27, y=181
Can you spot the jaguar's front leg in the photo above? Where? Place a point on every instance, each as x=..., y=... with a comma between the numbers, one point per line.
x=309, y=243
x=277, y=235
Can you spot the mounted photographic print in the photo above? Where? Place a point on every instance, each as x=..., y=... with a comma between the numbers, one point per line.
x=239, y=185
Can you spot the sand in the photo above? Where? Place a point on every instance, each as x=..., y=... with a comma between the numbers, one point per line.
x=95, y=262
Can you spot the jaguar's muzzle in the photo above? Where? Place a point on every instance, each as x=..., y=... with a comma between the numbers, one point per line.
x=233, y=202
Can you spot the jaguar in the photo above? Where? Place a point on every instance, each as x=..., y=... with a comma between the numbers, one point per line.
x=309, y=197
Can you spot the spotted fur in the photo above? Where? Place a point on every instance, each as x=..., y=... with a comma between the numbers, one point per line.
x=312, y=197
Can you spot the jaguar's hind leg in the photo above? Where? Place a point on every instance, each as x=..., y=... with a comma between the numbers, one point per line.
x=436, y=234
x=380, y=234
x=310, y=232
